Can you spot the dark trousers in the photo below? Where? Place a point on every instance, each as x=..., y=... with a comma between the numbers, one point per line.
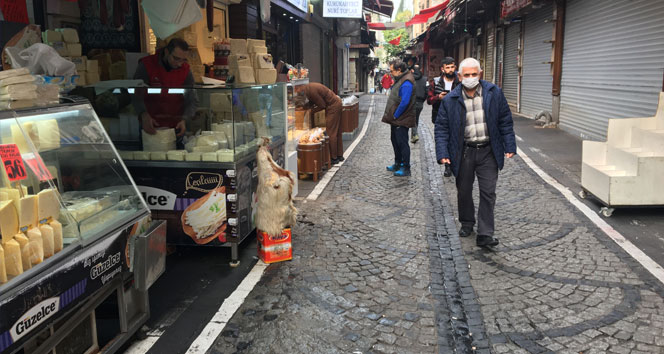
x=399, y=137
x=419, y=106
x=481, y=163
x=333, y=128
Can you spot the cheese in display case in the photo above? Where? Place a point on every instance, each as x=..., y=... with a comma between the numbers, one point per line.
x=71, y=188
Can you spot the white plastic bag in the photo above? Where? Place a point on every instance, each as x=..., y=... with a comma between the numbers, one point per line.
x=44, y=60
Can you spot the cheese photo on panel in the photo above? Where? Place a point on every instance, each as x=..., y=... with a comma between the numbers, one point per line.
x=205, y=219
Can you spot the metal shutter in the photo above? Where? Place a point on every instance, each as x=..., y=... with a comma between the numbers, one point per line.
x=489, y=51
x=536, y=77
x=510, y=66
x=613, y=60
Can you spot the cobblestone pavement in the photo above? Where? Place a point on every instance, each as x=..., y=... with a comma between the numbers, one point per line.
x=379, y=268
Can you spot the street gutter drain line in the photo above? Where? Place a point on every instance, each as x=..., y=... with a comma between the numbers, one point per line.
x=218, y=322
x=655, y=269
x=320, y=187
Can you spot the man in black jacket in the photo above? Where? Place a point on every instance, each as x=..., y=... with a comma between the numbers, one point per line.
x=440, y=86
x=420, y=97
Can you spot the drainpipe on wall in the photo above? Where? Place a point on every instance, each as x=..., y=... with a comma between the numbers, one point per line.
x=559, y=14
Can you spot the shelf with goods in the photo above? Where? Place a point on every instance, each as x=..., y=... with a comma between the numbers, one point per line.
x=76, y=221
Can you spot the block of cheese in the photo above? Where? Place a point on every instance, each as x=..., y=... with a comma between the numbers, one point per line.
x=245, y=75
x=175, y=155
x=12, y=89
x=91, y=78
x=48, y=239
x=220, y=102
x=193, y=156
x=263, y=61
x=163, y=140
x=209, y=156
x=37, y=246
x=158, y=155
x=13, y=73
x=204, y=149
x=19, y=138
x=13, y=261
x=3, y=271
x=13, y=80
x=74, y=49
x=260, y=50
x=225, y=155
x=61, y=48
x=126, y=155
x=69, y=35
x=3, y=196
x=92, y=66
x=24, y=242
x=50, y=36
x=238, y=46
x=81, y=63
x=13, y=195
x=58, y=240
x=142, y=155
x=48, y=205
x=27, y=215
x=48, y=133
x=236, y=61
x=252, y=43
x=8, y=220
x=266, y=76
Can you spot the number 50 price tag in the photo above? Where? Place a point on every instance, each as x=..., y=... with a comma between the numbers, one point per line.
x=12, y=162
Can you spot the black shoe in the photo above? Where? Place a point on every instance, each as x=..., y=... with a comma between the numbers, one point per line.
x=486, y=241
x=465, y=231
x=340, y=158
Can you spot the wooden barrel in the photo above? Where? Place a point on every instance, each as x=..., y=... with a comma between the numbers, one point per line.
x=310, y=159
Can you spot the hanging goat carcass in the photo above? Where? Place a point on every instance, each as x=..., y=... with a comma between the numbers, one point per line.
x=275, y=194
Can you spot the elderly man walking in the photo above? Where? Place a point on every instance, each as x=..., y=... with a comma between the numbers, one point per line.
x=474, y=134
x=400, y=115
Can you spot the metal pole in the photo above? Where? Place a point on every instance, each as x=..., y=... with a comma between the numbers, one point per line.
x=558, y=59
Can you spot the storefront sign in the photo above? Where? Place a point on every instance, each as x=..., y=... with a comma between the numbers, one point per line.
x=302, y=5
x=509, y=6
x=342, y=8
x=158, y=199
x=14, y=10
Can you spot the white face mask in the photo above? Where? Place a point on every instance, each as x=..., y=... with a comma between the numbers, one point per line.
x=470, y=82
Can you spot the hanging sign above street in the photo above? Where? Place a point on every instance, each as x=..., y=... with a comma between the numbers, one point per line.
x=509, y=6
x=342, y=8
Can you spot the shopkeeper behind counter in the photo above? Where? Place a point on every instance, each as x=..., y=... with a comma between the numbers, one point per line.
x=166, y=68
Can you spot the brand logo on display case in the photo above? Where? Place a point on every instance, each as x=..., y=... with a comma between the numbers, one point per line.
x=203, y=181
x=34, y=317
x=158, y=199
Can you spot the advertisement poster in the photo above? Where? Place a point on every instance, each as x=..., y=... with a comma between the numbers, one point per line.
x=66, y=284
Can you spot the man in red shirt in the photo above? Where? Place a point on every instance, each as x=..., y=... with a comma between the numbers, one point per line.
x=166, y=68
x=387, y=82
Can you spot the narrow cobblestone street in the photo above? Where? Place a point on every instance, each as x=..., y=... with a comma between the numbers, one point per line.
x=379, y=267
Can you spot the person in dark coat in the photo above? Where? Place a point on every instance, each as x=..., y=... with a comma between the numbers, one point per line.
x=441, y=85
x=474, y=133
x=420, y=97
x=400, y=115
x=326, y=99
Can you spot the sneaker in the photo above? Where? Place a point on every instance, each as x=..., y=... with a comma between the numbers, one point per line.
x=415, y=138
x=486, y=241
x=402, y=172
x=465, y=231
x=393, y=168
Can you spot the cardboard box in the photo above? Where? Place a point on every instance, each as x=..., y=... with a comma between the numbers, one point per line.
x=118, y=71
x=81, y=63
x=74, y=49
x=92, y=66
x=319, y=118
x=303, y=119
x=92, y=78
x=276, y=248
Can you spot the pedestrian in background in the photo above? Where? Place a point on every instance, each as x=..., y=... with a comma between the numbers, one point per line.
x=474, y=133
x=400, y=115
x=387, y=82
x=420, y=97
x=441, y=85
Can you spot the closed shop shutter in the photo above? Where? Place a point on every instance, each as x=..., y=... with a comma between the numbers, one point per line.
x=510, y=65
x=490, y=44
x=613, y=59
x=536, y=77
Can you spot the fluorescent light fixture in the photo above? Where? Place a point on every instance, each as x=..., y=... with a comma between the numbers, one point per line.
x=154, y=90
x=176, y=91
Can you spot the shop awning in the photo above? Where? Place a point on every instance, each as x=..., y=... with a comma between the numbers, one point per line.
x=426, y=14
x=384, y=7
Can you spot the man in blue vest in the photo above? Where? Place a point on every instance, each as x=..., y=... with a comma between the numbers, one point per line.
x=474, y=134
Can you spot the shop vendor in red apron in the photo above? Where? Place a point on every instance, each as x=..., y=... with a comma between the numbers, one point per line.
x=167, y=68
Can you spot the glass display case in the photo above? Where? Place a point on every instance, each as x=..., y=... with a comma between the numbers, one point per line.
x=213, y=161
x=63, y=187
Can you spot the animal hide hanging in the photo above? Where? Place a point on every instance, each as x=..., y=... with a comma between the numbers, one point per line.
x=275, y=209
